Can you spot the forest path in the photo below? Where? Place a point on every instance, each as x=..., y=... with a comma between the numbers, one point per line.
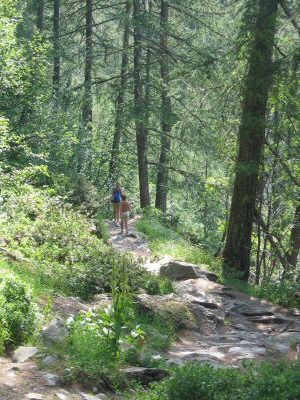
x=132, y=243
x=228, y=326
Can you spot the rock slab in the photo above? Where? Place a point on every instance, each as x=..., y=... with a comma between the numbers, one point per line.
x=145, y=375
x=179, y=270
x=23, y=354
x=55, y=332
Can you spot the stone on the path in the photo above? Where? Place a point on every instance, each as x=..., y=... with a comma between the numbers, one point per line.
x=62, y=396
x=23, y=354
x=145, y=375
x=34, y=396
x=50, y=360
x=256, y=313
x=179, y=270
x=55, y=332
x=244, y=351
x=51, y=379
x=265, y=319
x=100, y=396
x=280, y=347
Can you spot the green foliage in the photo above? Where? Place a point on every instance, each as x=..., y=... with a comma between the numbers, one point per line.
x=57, y=246
x=195, y=381
x=167, y=241
x=157, y=286
x=18, y=313
x=281, y=293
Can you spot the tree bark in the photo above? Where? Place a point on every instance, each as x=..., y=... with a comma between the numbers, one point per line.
x=87, y=101
x=166, y=124
x=292, y=254
x=56, y=49
x=40, y=15
x=119, y=119
x=251, y=138
x=139, y=100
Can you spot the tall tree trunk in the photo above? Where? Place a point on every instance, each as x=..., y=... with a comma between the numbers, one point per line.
x=119, y=120
x=56, y=49
x=251, y=136
x=148, y=8
x=87, y=101
x=163, y=168
x=139, y=100
x=292, y=254
x=40, y=15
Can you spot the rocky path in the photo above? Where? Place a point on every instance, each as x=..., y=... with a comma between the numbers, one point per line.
x=224, y=326
x=217, y=324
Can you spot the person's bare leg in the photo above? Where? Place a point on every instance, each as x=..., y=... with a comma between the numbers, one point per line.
x=122, y=226
x=115, y=212
x=118, y=213
x=126, y=227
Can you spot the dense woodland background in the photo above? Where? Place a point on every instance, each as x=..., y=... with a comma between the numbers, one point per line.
x=193, y=106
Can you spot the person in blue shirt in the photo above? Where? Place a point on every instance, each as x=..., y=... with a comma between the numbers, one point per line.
x=116, y=200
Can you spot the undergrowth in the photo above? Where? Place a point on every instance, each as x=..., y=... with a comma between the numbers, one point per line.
x=54, y=247
x=195, y=381
x=166, y=241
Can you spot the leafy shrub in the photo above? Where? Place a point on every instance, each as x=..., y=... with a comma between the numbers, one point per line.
x=18, y=314
x=157, y=286
x=95, y=342
x=56, y=241
x=166, y=241
x=195, y=381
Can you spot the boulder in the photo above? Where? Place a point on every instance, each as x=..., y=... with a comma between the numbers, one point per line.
x=63, y=395
x=100, y=396
x=169, y=307
x=145, y=375
x=34, y=396
x=50, y=360
x=51, y=379
x=23, y=354
x=179, y=270
x=55, y=332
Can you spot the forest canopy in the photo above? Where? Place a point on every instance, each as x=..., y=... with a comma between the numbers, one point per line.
x=192, y=105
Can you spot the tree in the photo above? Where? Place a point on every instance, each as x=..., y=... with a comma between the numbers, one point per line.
x=166, y=115
x=40, y=15
x=251, y=139
x=87, y=98
x=119, y=118
x=139, y=100
x=56, y=49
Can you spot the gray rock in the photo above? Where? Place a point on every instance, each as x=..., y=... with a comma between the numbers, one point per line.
x=265, y=319
x=50, y=360
x=51, y=379
x=179, y=270
x=145, y=375
x=34, y=396
x=256, y=313
x=55, y=332
x=281, y=348
x=62, y=396
x=100, y=396
x=247, y=350
x=23, y=354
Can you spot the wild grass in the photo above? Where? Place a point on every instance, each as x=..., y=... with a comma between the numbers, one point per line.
x=165, y=241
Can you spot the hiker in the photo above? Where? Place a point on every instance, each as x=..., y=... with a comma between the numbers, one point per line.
x=125, y=209
x=116, y=199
